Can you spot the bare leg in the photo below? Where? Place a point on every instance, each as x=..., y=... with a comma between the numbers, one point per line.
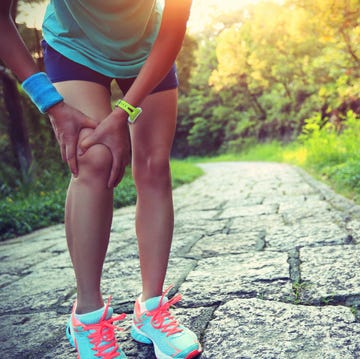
x=89, y=204
x=152, y=137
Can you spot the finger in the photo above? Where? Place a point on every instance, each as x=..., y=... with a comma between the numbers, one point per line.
x=114, y=174
x=71, y=158
x=86, y=143
x=63, y=152
x=123, y=164
x=89, y=123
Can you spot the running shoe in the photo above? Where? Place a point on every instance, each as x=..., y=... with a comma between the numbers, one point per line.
x=154, y=324
x=94, y=336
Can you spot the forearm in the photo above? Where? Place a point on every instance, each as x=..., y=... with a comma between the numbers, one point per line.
x=16, y=56
x=163, y=53
x=153, y=71
x=13, y=50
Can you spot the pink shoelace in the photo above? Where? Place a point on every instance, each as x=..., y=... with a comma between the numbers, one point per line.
x=162, y=318
x=103, y=335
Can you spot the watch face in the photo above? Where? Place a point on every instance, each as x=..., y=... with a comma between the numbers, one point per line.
x=134, y=115
x=132, y=111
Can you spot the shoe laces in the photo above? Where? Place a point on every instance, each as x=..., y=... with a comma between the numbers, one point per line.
x=162, y=318
x=102, y=335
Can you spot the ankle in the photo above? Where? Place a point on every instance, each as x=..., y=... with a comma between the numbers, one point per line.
x=151, y=290
x=144, y=296
x=88, y=306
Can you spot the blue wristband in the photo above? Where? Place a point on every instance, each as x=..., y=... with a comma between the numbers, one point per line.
x=41, y=91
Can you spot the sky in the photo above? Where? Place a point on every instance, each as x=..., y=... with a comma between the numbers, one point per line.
x=201, y=12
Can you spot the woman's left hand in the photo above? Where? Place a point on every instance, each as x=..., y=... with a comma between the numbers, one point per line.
x=113, y=132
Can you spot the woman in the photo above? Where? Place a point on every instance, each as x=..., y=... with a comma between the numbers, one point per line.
x=87, y=44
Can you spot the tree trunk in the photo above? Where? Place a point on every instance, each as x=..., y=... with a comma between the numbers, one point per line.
x=16, y=125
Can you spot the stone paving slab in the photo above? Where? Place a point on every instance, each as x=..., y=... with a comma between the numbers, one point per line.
x=266, y=259
x=324, y=276
x=314, y=233
x=216, y=279
x=272, y=330
x=227, y=244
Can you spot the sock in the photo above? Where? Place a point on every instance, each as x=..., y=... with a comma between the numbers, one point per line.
x=93, y=317
x=151, y=303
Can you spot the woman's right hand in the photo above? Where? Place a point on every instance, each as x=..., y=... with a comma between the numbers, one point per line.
x=67, y=122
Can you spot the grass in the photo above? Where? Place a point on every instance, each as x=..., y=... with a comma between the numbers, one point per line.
x=42, y=204
x=268, y=152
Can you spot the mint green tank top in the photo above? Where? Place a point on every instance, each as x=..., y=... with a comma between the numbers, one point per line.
x=113, y=37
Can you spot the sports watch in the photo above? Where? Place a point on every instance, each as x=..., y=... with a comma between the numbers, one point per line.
x=132, y=111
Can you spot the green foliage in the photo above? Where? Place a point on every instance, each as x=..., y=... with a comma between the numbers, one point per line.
x=335, y=155
x=125, y=192
x=32, y=206
x=329, y=153
x=185, y=63
x=270, y=66
x=325, y=146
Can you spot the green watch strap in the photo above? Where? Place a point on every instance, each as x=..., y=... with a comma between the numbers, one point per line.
x=132, y=111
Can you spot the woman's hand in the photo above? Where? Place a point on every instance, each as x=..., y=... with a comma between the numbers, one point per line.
x=67, y=123
x=113, y=132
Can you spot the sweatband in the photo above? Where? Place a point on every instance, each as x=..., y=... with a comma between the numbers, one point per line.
x=41, y=91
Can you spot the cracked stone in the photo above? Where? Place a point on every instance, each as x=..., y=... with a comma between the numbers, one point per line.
x=271, y=330
x=36, y=333
x=37, y=290
x=122, y=280
x=221, y=244
x=249, y=211
x=285, y=238
x=328, y=272
x=263, y=274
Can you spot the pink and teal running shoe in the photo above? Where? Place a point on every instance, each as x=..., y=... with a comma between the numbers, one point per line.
x=153, y=324
x=94, y=336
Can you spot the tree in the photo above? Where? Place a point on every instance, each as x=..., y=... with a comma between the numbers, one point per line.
x=283, y=62
x=14, y=121
x=186, y=63
x=16, y=125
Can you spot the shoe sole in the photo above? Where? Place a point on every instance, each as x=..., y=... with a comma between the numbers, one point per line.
x=69, y=336
x=141, y=337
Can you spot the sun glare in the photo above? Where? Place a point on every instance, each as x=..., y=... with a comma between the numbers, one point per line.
x=202, y=12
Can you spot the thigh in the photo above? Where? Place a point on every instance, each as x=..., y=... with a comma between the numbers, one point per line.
x=90, y=98
x=153, y=132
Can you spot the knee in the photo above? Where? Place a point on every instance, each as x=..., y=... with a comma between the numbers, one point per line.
x=95, y=163
x=153, y=171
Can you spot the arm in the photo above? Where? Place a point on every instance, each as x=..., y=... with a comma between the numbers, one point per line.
x=13, y=50
x=66, y=121
x=164, y=51
x=162, y=56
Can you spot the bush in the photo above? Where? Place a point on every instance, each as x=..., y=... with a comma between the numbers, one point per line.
x=36, y=210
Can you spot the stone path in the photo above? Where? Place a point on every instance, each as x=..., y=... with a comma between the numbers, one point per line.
x=266, y=258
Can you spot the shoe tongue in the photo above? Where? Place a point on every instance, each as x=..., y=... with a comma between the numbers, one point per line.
x=94, y=317
x=154, y=303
